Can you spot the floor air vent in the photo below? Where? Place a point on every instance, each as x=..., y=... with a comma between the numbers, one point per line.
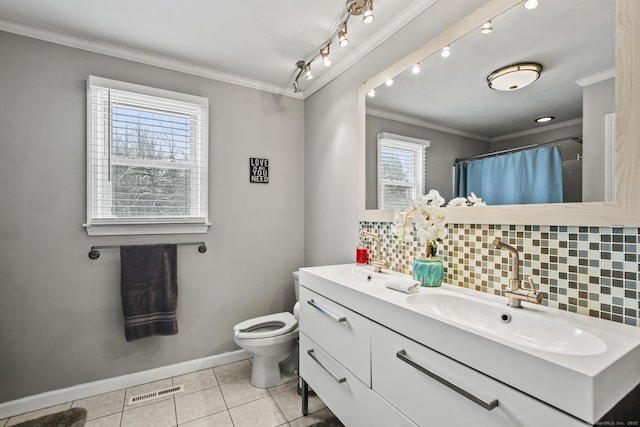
x=155, y=394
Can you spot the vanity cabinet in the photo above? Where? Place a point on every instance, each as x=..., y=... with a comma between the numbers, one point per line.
x=335, y=356
x=432, y=389
x=370, y=375
x=341, y=332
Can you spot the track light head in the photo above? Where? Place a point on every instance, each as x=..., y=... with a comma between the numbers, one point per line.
x=326, y=59
x=367, y=16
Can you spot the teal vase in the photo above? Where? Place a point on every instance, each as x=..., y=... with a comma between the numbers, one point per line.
x=428, y=271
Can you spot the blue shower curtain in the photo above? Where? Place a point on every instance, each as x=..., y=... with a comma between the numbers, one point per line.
x=530, y=176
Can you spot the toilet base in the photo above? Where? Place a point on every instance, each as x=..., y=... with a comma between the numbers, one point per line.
x=269, y=371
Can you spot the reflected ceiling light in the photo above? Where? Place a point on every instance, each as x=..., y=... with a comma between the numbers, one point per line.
x=486, y=27
x=544, y=119
x=343, y=41
x=326, y=60
x=371, y=93
x=513, y=77
x=389, y=82
x=446, y=52
x=367, y=16
x=415, y=69
x=531, y=4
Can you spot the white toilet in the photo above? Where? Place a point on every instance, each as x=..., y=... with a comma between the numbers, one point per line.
x=273, y=340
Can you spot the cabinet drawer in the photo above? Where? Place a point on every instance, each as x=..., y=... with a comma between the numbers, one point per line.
x=403, y=373
x=385, y=415
x=346, y=396
x=339, y=331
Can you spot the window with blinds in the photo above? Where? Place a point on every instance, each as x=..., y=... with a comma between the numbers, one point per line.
x=401, y=170
x=147, y=160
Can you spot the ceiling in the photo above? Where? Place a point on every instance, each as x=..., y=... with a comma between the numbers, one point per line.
x=255, y=43
x=572, y=39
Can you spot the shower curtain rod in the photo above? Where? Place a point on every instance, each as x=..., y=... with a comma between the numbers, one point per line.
x=516, y=149
x=94, y=253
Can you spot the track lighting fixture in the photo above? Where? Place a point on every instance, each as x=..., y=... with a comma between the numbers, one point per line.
x=371, y=93
x=486, y=27
x=531, y=4
x=367, y=16
x=326, y=60
x=353, y=7
x=446, y=52
x=343, y=41
x=415, y=69
x=389, y=82
x=307, y=72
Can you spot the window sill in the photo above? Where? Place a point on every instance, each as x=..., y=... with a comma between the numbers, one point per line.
x=142, y=229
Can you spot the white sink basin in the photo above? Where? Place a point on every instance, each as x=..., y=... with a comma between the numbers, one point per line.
x=514, y=325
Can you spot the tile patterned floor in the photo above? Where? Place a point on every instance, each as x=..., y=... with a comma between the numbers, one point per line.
x=216, y=397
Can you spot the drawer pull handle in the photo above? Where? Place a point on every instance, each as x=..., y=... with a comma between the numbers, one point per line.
x=323, y=310
x=312, y=354
x=402, y=355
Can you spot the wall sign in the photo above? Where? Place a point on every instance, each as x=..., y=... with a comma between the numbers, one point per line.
x=258, y=170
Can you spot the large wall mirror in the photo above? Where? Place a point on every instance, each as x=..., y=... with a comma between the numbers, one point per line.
x=445, y=111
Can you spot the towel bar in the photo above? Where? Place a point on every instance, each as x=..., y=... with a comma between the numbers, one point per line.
x=94, y=253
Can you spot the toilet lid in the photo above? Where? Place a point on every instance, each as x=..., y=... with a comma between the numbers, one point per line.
x=277, y=324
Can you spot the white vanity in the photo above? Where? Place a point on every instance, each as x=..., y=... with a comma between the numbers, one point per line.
x=451, y=356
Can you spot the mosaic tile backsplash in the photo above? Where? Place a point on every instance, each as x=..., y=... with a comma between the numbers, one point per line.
x=587, y=270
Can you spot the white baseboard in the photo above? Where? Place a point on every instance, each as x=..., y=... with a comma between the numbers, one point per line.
x=80, y=391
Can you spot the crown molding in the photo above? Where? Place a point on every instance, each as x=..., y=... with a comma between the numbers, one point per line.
x=416, y=8
x=534, y=131
x=422, y=123
x=597, y=78
x=141, y=57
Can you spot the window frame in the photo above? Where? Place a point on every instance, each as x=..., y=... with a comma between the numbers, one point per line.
x=191, y=105
x=414, y=145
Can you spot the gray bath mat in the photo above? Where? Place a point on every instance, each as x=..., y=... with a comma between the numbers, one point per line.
x=329, y=422
x=74, y=417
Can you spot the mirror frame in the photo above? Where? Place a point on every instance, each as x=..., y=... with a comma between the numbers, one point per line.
x=624, y=212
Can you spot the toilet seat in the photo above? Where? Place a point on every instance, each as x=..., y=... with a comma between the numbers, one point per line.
x=283, y=323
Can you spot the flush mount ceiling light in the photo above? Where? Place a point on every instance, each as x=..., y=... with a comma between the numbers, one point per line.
x=544, y=119
x=513, y=77
x=339, y=35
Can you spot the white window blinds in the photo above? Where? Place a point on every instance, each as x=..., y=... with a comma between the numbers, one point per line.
x=401, y=170
x=147, y=158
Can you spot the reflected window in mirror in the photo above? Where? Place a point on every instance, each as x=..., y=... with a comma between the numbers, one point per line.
x=401, y=169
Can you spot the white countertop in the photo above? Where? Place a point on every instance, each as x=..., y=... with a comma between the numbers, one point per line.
x=586, y=386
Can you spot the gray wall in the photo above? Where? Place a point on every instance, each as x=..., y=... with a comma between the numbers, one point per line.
x=331, y=138
x=597, y=100
x=444, y=149
x=60, y=314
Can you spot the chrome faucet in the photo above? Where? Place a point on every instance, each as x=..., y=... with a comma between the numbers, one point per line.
x=378, y=263
x=516, y=293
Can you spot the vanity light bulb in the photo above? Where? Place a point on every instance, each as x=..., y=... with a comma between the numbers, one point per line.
x=531, y=4
x=446, y=52
x=371, y=93
x=389, y=82
x=415, y=69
